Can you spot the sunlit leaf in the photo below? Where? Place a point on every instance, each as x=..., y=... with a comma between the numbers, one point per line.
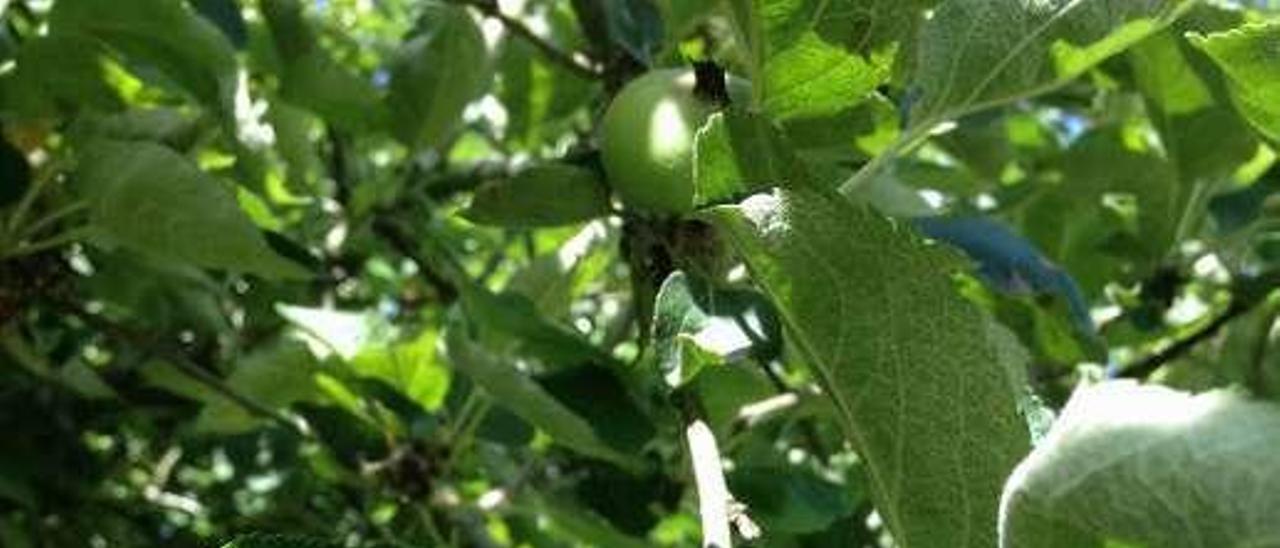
x=151, y=199
x=1150, y=466
x=980, y=53
x=1248, y=56
x=411, y=367
x=917, y=380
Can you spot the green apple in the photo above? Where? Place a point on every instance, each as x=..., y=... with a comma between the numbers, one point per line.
x=647, y=139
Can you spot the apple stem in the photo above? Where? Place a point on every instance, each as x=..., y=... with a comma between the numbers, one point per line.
x=710, y=83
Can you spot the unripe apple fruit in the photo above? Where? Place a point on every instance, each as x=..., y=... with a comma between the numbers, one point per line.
x=647, y=139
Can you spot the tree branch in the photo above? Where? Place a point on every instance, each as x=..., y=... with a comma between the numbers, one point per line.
x=1146, y=366
x=1246, y=293
x=517, y=27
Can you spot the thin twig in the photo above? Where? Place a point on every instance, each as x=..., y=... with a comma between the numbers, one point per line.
x=38, y=226
x=56, y=241
x=517, y=27
x=1148, y=365
x=1246, y=293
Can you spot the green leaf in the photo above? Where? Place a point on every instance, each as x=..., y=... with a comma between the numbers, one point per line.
x=164, y=34
x=523, y=396
x=1078, y=223
x=159, y=294
x=790, y=499
x=151, y=199
x=737, y=153
x=598, y=395
x=312, y=79
x=813, y=58
x=850, y=135
x=544, y=195
x=540, y=98
x=583, y=523
x=917, y=378
x=814, y=79
x=226, y=15
x=1249, y=58
x=976, y=54
x=694, y=326
x=293, y=131
x=1150, y=466
x=276, y=375
x=1188, y=102
x=278, y=541
x=554, y=280
x=435, y=74
x=55, y=71
x=410, y=367
x=168, y=126
x=527, y=331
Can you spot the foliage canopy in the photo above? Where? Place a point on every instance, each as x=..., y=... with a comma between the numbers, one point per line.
x=937, y=273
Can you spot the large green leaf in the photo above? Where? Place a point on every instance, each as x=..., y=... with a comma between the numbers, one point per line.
x=914, y=371
x=523, y=396
x=371, y=347
x=153, y=200
x=1249, y=58
x=164, y=34
x=551, y=194
x=312, y=79
x=435, y=74
x=979, y=53
x=1149, y=466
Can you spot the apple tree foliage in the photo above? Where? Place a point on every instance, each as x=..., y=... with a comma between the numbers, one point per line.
x=957, y=273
